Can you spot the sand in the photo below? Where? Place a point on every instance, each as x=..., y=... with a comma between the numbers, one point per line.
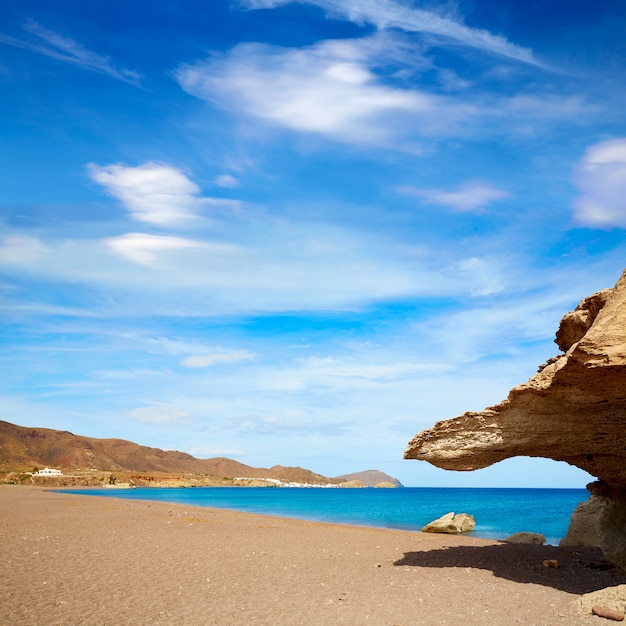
x=69, y=559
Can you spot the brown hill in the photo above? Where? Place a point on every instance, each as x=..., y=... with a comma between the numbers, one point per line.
x=370, y=478
x=24, y=448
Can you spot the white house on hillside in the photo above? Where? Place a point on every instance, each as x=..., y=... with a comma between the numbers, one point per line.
x=46, y=471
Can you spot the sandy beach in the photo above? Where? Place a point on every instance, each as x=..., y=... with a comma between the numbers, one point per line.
x=70, y=559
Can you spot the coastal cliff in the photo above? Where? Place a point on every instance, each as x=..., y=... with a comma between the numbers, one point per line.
x=572, y=410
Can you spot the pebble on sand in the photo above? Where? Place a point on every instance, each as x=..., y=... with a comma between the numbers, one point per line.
x=603, y=611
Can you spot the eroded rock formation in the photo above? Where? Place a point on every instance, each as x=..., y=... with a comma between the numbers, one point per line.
x=451, y=524
x=573, y=410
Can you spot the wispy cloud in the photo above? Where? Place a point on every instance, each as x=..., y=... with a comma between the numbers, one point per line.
x=470, y=197
x=228, y=181
x=148, y=250
x=332, y=368
x=385, y=14
x=206, y=360
x=357, y=91
x=160, y=414
x=291, y=267
x=249, y=260
x=291, y=426
x=165, y=345
x=51, y=44
x=21, y=249
x=600, y=176
x=328, y=88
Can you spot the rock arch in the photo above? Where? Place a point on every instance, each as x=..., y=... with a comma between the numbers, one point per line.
x=573, y=410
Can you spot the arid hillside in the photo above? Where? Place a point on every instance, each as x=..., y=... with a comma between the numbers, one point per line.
x=22, y=449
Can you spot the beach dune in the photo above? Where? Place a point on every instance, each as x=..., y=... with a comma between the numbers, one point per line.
x=69, y=559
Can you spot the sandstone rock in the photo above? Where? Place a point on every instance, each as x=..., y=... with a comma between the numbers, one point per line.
x=584, y=526
x=573, y=410
x=612, y=527
x=576, y=323
x=611, y=598
x=451, y=524
x=529, y=538
x=602, y=611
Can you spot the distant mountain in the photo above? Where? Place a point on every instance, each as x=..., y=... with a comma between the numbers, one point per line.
x=370, y=478
x=25, y=448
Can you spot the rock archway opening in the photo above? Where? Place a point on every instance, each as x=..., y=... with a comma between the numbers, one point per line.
x=573, y=409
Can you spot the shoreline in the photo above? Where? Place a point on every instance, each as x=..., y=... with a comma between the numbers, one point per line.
x=71, y=559
x=492, y=523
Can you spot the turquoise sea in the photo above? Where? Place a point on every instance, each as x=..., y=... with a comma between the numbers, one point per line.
x=498, y=512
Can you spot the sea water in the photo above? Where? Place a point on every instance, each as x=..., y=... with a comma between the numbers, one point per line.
x=498, y=512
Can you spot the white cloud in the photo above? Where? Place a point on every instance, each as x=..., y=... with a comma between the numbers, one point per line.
x=252, y=262
x=148, y=249
x=290, y=267
x=206, y=360
x=133, y=374
x=331, y=368
x=164, y=345
x=51, y=44
x=156, y=193
x=228, y=181
x=485, y=276
x=328, y=88
x=261, y=264
x=357, y=91
x=21, y=250
x=385, y=14
x=527, y=106
x=292, y=424
x=470, y=197
x=600, y=177
x=160, y=414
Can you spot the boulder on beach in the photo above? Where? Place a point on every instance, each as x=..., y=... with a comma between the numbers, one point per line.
x=451, y=524
x=585, y=528
x=525, y=537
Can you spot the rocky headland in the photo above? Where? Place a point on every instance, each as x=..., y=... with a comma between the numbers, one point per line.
x=572, y=410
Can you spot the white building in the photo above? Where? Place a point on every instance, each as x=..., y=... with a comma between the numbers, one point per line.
x=46, y=471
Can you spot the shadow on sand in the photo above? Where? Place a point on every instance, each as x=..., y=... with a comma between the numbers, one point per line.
x=580, y=570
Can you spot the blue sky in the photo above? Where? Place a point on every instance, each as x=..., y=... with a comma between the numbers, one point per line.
x=298, y=233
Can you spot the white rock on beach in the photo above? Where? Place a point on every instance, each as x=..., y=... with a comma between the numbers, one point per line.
x=451, y=523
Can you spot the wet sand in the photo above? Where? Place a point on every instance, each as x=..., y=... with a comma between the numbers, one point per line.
x=70, y=559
